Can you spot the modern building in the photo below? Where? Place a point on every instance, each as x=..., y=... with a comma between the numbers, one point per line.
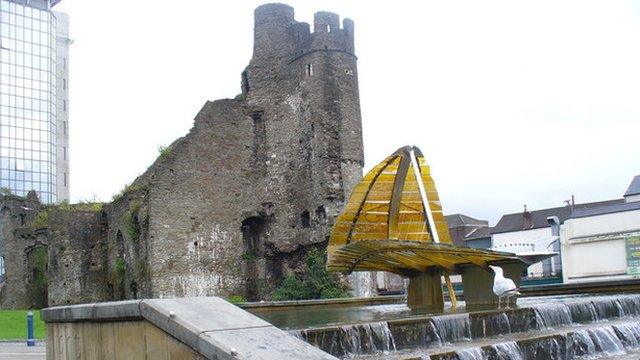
x=33, y=99
x=603, y=242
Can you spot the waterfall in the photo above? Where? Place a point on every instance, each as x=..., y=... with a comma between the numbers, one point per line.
x=496, y=324
x=606, y=341
x=553, y=315
x=366, y=338
x=383, y=334
x=350, y=339
x=629, y=305
x=607, y=307
x=470, y=354
x=507, y=351
x=583, y=312
x=451, y=328
x=581, y=343
x=629, y=335
x=299, y=334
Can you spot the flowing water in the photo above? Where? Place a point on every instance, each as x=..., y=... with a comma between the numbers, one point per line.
x=452, y=328
x=553, y=314
x=569, y=328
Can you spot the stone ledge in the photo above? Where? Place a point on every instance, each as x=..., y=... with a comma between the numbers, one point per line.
x=209, y=325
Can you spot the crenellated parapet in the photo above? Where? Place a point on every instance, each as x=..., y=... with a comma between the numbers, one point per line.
x=278, y=36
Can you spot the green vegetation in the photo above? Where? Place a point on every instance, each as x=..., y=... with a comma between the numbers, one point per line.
x=42, y=219
x=248, y=256
x=14, y=325
x=240, y=97
x=236, y=299
x=130, y=220
x=129, y=189
x=315, y=282
x=164, y=151
x=83, y=205
x=37, y=288
x=5, y=191
x=118, y=279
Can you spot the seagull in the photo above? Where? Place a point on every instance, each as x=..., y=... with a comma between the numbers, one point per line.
x=503, y=287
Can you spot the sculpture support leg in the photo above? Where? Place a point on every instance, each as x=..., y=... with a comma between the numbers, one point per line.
x=477, y=283
x=425, y=292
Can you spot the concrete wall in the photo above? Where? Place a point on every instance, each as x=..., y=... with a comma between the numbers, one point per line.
x=593, y=248
x=113, y=340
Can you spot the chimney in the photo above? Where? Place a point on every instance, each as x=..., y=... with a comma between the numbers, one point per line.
x=527, y=220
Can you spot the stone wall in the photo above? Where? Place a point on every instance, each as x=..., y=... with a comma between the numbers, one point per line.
x=77, y=261
x=232, y=207
x=20, y=243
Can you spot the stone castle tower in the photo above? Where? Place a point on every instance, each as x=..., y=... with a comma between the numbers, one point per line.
x=233, y=206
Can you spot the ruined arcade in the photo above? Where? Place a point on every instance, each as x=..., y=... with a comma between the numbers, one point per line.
x=231, y=207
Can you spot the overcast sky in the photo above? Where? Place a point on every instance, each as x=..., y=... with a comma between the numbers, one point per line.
x=512, y=103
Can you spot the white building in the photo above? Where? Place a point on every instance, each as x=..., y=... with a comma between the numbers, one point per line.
x=604, y=242
x=529, y=232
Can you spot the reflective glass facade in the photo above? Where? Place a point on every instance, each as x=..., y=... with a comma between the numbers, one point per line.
x=28, y=100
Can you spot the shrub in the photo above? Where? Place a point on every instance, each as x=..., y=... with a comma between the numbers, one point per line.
x=41, y=220
x=164, y=151
x=314, y=283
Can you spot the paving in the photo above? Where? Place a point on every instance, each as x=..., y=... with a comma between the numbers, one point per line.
x=20, y=351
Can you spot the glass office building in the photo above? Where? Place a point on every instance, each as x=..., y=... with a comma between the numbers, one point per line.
x=32, y=108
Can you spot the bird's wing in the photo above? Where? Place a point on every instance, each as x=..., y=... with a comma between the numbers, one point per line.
x=503, y=285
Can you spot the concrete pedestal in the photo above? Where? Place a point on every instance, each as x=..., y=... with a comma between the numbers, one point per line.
x=477, y=283
x=425, y=292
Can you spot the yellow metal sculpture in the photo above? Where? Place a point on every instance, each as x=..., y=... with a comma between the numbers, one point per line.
x=393, y=222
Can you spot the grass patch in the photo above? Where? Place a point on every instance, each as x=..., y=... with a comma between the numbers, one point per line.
x=14, y=324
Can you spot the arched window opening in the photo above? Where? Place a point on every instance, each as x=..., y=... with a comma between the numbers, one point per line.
x=254, y=231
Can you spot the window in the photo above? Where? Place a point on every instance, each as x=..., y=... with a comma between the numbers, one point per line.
x=65, y=179
x=309, y=69
x=64, y=105
x=64, y=152
x=64, y=84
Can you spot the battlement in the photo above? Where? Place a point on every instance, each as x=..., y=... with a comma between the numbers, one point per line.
x=278, y=36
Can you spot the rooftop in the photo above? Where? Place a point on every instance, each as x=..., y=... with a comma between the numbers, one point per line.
x=607, y=209
x=634, y=187
x=456, y=220
x=515, y=221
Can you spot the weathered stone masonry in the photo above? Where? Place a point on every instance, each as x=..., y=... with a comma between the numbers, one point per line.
x=233, y=206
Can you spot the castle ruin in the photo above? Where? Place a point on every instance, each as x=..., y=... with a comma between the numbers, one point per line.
x=231, y=207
